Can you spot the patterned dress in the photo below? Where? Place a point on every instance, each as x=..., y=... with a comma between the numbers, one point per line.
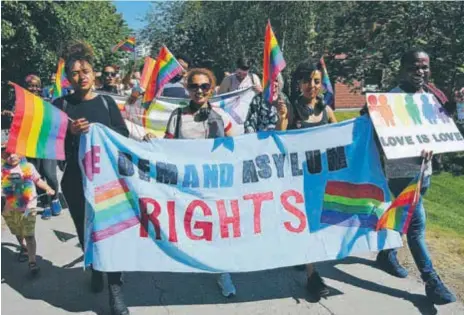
x=262, y=115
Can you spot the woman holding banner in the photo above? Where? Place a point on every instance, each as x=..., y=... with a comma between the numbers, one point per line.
x=309, y=110
x=85, y=107
x=200, y=121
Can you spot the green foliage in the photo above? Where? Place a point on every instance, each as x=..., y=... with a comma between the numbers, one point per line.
x=34, y=32
x=373, y=35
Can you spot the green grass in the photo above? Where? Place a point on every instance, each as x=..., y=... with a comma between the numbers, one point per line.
x=444, y=204
x=341, y=116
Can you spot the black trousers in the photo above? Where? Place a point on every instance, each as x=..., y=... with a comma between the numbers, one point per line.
x=47, y=170
x=73, y=191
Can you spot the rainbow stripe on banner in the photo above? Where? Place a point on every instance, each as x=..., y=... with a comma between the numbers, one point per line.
x=114, y=210
x=127, y=44
x=61, y=81
x=326, y=85
x=165, y=69
x=38, y=128
x=398, y=216
x=273, y=64
x=348, y=204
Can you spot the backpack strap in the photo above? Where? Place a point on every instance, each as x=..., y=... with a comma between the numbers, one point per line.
x=252, y=77
x=178, y=123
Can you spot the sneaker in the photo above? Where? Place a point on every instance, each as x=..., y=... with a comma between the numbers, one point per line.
x=47, y=214
x=56, y=207
x=316, y=286
x=117, y=305
x=388, y=262
x=34, y=269
x=226, y=285
x=96, y=282
x=438, y=293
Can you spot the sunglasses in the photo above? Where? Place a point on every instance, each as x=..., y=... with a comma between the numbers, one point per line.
x=196, y=87
x=109, y=74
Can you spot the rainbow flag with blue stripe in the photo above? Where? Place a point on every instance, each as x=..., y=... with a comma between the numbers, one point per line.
x=326, y=85
x=273, y=63
x=127, y=44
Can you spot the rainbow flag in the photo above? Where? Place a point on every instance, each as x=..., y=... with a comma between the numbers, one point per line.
x=165, y=69
x=348, y=204
x=148, y=67
x=274, y=62
x=61, y=81
x=398, y=215
x=127, y=44
x=38, y=128
x=326, y=85
x=114, y=210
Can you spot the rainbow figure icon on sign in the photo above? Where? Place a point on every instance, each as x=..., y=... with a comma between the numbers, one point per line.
x=412, y=109
x=386, y=111
x=400, y=111
x=441, y=112
x=428, y=109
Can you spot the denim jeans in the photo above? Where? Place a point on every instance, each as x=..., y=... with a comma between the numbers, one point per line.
x=416, y=232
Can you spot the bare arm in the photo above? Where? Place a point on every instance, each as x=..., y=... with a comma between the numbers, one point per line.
x=44, y=186
x=331, y=114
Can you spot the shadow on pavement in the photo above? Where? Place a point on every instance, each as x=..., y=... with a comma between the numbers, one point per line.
x=68, y=288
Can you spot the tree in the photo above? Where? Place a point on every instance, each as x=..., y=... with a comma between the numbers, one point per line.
x=33, y=34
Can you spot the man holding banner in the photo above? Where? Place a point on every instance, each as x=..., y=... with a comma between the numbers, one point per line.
x=414, y=78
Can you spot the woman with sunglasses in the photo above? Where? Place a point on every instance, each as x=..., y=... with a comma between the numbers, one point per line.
x=85, y=107
x=309, y=110
x=200, y=121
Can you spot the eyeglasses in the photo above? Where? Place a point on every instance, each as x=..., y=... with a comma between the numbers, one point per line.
x=196, y=87
x=109, y=74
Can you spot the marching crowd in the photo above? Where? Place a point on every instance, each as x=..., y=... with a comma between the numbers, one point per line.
x=304, y=107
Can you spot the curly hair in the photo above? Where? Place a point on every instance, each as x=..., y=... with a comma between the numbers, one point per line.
x=201, y=71
x=78, y=51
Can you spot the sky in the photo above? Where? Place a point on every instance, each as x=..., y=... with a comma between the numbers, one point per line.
x=132, y=12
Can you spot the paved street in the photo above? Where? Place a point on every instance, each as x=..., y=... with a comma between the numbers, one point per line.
x=62, y=287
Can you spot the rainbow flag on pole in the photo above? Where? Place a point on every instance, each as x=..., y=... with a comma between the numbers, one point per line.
x=165, y=69
x=61, y=81
x=326, y=85
x=114, y=210
x=148, y=67
x=398, y=215
x=38, y=128
x=274, y=62
x=127, y=44
x=348, y=204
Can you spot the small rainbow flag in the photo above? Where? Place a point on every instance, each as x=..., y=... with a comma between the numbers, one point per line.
x=398, y=215
x=274, y=62
x=127, y=44
x=348, y=204
x=38, y=128
x=114, y=210
x=61, y=81
x=326, y=85
x=148, y=67
x=165, y=69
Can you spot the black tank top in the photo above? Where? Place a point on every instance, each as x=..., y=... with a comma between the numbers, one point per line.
x=298, y=124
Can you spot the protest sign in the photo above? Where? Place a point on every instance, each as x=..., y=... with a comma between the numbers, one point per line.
x=406, y=124
x=252, y=202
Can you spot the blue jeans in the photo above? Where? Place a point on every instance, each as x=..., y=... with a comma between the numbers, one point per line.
x=416, y=233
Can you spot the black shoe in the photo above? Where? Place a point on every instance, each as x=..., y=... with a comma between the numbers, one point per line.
x=96, y=283
x=438, y=293
x=388, y=261
x=117, y=305
x=316, y=286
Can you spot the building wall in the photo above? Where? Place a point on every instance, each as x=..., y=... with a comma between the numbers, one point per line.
x=345, y=97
